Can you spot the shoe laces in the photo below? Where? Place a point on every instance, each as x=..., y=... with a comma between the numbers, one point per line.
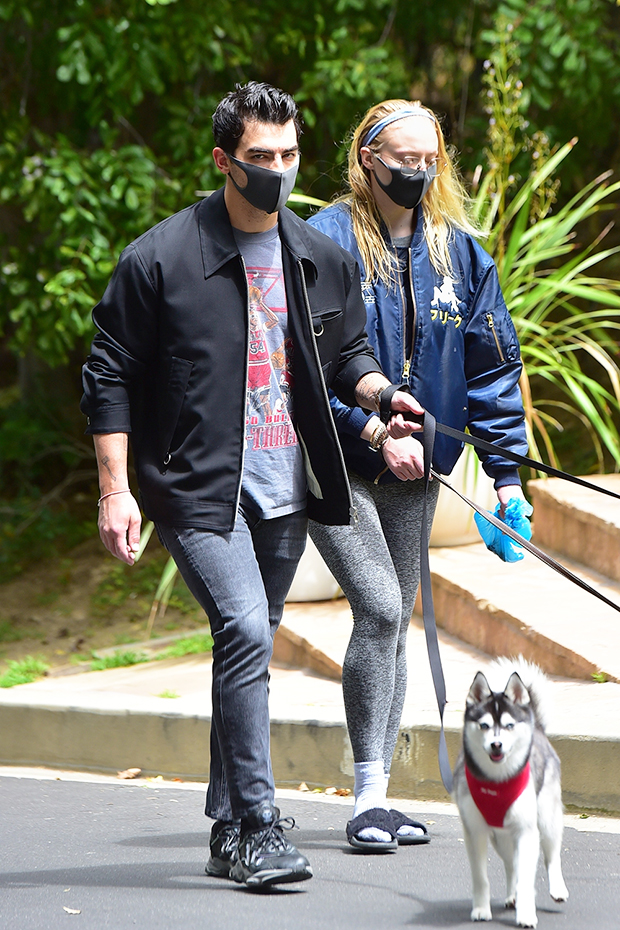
x=272, y=838
x=229, y=838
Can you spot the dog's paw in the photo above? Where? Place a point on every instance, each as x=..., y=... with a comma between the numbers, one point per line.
x=510, y=903
x=559, y=892
x=481, y=913
x=526, y=919
x=560, y=897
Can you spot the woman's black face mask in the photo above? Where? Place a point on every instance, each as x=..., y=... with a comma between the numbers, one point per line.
x=404, y=188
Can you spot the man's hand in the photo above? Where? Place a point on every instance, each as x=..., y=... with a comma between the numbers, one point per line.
x=119, y=526
x=404, y=457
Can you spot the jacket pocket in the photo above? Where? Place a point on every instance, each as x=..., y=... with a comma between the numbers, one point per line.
x=503, y=338
x=325, y=321
x=328, y=326
x=172, y=401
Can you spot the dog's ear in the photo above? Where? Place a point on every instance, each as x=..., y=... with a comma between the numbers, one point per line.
x=479, y=691
x=516, y=692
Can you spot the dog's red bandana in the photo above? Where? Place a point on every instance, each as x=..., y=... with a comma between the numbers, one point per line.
x=493, y=798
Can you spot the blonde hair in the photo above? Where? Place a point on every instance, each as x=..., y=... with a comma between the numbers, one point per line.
x=444, y=206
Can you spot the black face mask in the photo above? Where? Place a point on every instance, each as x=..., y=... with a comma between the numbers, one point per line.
x=407, y=190
x=266, y=189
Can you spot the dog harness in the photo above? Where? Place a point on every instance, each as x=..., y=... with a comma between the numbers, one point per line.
x=493, y=798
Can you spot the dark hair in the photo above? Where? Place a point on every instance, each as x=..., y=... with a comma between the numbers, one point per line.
x=251, y=101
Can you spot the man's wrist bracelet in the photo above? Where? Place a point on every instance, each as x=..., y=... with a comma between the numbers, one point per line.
x=379, y=436
x=110, y=493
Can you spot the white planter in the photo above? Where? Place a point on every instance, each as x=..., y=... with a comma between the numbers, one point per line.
x=454, y=519
x=313, y=580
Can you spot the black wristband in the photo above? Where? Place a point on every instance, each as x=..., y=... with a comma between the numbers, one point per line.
x=385, y=400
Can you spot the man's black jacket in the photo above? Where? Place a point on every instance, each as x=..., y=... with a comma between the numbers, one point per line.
x=169, y=362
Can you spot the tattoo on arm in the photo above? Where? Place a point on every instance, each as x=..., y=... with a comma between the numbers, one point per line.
x=105, y=463
x=367, y=387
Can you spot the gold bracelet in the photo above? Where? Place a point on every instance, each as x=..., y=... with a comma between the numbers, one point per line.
x=379, y=437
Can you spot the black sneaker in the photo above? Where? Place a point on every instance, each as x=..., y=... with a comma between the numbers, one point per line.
x=223, y=843
x=265, y=857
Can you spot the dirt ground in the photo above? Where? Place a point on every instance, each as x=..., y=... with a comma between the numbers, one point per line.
x=62, y=609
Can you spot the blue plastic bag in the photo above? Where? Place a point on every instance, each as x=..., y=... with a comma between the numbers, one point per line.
x=516, y=517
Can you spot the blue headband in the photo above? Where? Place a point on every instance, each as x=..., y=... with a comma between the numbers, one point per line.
x=400, y=114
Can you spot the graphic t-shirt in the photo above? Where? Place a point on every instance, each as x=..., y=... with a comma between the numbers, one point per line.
x=274, y=481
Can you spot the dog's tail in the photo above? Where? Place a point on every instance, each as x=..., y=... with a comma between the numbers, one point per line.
x=531, y=675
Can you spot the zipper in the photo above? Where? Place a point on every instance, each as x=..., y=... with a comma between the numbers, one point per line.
x=403, y=302
x=491, y=325
x=245, y=388
x=380, y=475
x=317, y=357
x=407, y=361
x=407, y=366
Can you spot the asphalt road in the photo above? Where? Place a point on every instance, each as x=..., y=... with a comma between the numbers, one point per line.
x=103, y=854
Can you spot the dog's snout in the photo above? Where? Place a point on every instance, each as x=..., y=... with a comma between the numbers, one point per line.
x=496, y=746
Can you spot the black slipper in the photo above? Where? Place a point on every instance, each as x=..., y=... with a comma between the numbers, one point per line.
x=413, y=839
x=378, y=818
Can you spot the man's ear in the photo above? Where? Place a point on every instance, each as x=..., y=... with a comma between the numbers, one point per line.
x=221, y=160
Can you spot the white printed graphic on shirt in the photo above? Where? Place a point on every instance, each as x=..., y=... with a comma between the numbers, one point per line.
x=270, y=364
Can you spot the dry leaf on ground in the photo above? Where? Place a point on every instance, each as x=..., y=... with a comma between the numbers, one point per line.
x=129, y=773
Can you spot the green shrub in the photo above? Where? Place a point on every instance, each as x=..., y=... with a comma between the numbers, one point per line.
x=118, y=660
x=23, y=672
x=190, y=645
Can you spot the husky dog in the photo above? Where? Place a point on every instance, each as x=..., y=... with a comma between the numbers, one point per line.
x=507, y=787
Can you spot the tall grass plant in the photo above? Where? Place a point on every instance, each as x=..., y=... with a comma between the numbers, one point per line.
x=565, y=310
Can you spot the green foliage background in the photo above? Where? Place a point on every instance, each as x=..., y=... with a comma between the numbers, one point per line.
x=105, y=112
x=105, y=129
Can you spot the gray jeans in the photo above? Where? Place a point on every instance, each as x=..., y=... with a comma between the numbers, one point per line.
x=377, y=564
x=241, y=579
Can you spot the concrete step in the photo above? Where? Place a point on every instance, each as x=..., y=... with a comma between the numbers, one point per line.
x=314, y=636
x=527, y=608
x=499, y=608
x=581, y=524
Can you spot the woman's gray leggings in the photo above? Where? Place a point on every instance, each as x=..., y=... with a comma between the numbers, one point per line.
x=377, y=564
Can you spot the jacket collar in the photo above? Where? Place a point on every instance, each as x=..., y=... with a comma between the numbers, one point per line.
x=418, y=233
x=217, y=240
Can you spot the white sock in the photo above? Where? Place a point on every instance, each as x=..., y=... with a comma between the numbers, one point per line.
x=370, y=791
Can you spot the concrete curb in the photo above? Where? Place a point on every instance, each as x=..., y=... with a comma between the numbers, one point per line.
x=106, y=737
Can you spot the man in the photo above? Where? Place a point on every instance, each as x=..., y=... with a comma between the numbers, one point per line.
x=218, y=336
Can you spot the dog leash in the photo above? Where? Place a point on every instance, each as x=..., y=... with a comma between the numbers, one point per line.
x=428, y=608
x=508, y=531
x=493, y=448
x=431, y=427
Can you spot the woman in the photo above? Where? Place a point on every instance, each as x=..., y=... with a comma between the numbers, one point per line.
x=438, y=322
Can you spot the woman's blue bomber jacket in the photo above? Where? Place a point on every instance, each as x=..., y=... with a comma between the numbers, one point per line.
x=466, y=361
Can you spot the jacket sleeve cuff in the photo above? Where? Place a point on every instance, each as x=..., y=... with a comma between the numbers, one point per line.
x=346, y=380
x=110, y=419
x=506, y=477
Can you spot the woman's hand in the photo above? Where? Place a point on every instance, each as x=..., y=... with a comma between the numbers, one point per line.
x=507, y=493
x=398, y=426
